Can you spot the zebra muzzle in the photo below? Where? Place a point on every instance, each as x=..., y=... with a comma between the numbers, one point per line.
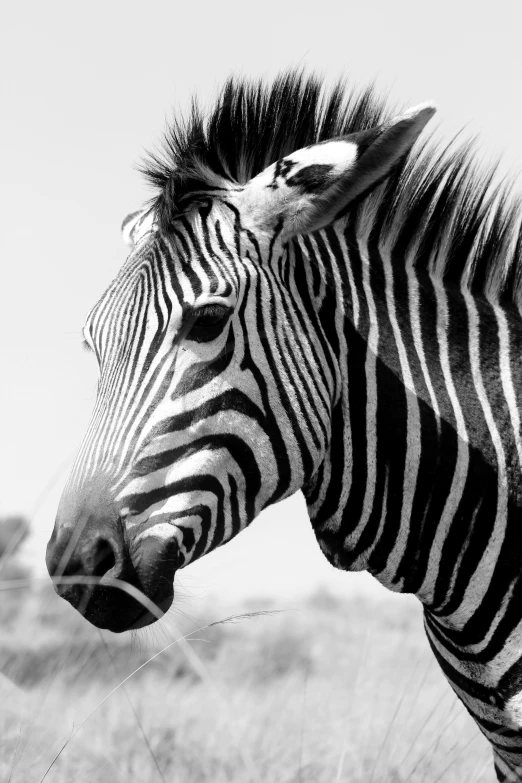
x=92, y=568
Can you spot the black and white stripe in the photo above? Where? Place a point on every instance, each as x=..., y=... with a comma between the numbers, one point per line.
x=301, y=325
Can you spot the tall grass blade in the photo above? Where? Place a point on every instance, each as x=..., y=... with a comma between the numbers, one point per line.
x=430, y=747
x=303, y=718
x=133, y=710
x=180, y=640
x=392, y=721
x=13, y=761
x=459, y=752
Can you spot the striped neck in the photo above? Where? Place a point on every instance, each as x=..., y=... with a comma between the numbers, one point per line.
x=414, y=487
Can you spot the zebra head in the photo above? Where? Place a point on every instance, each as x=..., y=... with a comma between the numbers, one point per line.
x=218, y=383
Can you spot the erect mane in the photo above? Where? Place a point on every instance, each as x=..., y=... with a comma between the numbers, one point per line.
x=437, y=205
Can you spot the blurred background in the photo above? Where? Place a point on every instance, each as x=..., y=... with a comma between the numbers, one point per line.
x=85, y=90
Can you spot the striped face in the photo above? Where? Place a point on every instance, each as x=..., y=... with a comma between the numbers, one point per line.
x=203, y=362
x=217, y=381
x=212, y=403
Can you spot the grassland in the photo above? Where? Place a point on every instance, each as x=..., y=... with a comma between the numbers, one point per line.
x=322, y=692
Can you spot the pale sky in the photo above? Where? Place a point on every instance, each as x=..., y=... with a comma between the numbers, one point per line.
x=86, y=88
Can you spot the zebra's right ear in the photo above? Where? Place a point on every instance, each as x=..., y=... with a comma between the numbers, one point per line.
x=309, y=188
x=136, y=225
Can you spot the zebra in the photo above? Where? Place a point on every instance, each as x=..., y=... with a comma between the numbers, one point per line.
x=317, y=298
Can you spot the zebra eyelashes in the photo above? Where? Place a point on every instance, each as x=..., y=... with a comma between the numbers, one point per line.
x=204, y=324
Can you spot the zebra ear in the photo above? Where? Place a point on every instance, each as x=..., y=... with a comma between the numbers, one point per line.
x=307, y=190
x=136, y=225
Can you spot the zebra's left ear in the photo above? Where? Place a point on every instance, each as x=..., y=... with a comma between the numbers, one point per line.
x=307, y=190
x=136, y=225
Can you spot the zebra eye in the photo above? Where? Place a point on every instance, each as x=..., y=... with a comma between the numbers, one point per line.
x=206, y=323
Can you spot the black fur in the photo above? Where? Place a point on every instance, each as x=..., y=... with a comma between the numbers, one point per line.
x=437, y=194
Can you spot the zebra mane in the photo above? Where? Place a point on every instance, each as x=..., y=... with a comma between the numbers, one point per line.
x=437, y=206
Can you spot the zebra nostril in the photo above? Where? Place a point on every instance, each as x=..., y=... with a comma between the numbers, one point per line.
x=96, y=556
x=104, y=559
x=86, y=553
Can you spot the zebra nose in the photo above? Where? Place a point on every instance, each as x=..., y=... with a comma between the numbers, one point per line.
x=83, y=561
x=95, y=556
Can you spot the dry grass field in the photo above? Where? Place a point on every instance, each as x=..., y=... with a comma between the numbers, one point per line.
x=322, y=692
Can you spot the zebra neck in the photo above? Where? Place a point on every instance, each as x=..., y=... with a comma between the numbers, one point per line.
x=425, y=433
